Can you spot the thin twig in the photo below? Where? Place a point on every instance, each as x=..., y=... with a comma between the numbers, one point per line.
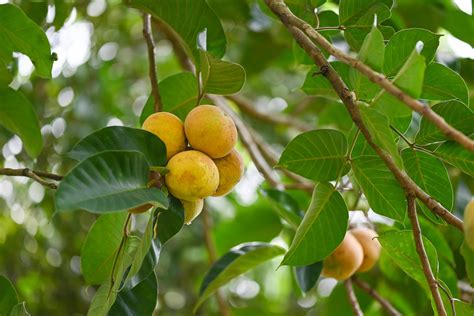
x=246, y=106
x=349, y=101
x=420, y=249
x=150, y=43
x=352, y=298
x=212, y=255
x=372, y=292
x=38, y=176
x=409, y=143
x=288, y=18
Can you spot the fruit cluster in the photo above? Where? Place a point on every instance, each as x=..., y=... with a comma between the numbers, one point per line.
x=201, y=157
x=358, y=252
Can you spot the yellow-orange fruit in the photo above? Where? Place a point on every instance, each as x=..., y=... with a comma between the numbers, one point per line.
x=231, y=169
x=170, y=129
x=345, y=260
x=192, y=210
x=192, y=176
x=469, y=224
x=211, y=131
x=370, y=245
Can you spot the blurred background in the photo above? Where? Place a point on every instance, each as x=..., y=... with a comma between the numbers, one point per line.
x=101, y=79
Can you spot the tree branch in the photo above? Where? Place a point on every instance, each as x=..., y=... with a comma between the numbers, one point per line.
x=352, y=298
x=38, y=176
x=280, y=8
x=150, y=43
x=245, y=105
x=420, y=249
x=372, y=292
x=212, y=253
x=349, y=101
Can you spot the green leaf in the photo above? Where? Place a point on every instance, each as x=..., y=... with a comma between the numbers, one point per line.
x=318, y=85
x=20, y=34
x=457, y=155
x=431, y=176
x=19, y=310
x=382, y=190
x=188, y=18
x=17, y=115
x=308, y=275
x=400, y=246
x=219, y=76
x=410, y=80
x=437, y=237
x=371, y=53
x=237, y=261
x=140, y=300
x=442, y=83
x=401, y=46
x=318, y=155
x=460, y=24
x=379, y=127
x=8, y=298
x=468, y=256
x=455, y=114
x=179, y=95
x=120, y=138
x=110, y=181
x=323, y=228
x=169, y=221
x=101, y=246
x=5, y=75
x=284, y=205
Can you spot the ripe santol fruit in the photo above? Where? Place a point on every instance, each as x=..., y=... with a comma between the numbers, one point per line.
x=343, y=262
x=209, y=130
x=469, y=224
x=170, y=129
x=192, y=176
x=231, y=169
x=370, y=246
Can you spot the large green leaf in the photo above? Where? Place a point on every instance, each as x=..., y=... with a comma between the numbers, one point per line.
x=120, y=138
x=323, y=228
x=5, y=75
x=442, y=83
x=188, y=18
x=318, y=155
x=455, y=113
x=101, y=246
x=20, y=34
x=460, y=24
x=237, y=261
x=18, y=116
x=179, y=95
x=284, y=205
x=139, y=300
x=400, y=246
x=169, y=221
x=110, y=181
x=379, y=127
x=457, y=155
x=383, y=192
x=401, y=45
x=410, y=80
x=8, y=296
x=468, y=256
x=308, y=275
x=316, y=84
x=219, y=76
x=371, y=53
x=431, y=176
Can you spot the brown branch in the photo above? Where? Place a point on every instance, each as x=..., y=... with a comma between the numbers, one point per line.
x=150, y=43
x=420, y=249
x=246, y=106
x=279, y=7
x=352, y=298
x=372, y=292
x=212, y=255
x=348, y=98
x=38, y=176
